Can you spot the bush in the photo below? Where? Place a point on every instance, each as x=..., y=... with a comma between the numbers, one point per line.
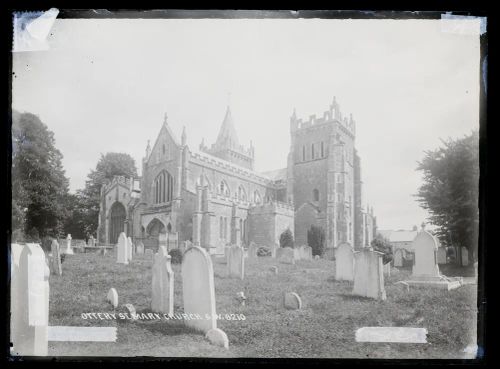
x=382, y=245
x=316, y=240
x=286, y=238
x=176, y=256
x=264, y=251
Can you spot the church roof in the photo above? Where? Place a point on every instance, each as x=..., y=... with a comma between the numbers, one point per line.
x=227, y=132
x=276, y=175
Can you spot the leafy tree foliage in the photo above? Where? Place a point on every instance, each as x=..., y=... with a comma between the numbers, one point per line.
x=86, y=202
x=39, y=185
x=382, y=244
x=451, y=189
x=286, y=238
x=316, y=239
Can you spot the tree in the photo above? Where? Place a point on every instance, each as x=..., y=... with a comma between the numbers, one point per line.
x=39, y=185
x=451, y=189
x=286, y=238
x=86, y=203
x=316, y=239
x=382, y=244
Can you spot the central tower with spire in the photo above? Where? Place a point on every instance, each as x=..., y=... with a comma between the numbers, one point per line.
x=228, y=147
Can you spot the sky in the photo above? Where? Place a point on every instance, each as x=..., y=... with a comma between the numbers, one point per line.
x=105, y=85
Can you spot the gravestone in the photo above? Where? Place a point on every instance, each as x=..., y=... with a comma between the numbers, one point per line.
x=130, y=309
x=139, y=248
x=112, y=297
x=274, y=247
x=122, y=249
x=316, y=257
x=368, y=274
x=236, y=262
x=398, y=258
x=465, y=257
x=387, y=269
x=29, y=301
x=130, y=248
x=441, y=255
x=344, y=262
x=226, y=253
x=305, y=252
x=296, y=253
x=425, y=247
x=292, y=301
x=55, y=264
x=68, y=250
x=252, y=250
x=285, y=255
x=163, y=283
x=91, y=241
x=198, y=293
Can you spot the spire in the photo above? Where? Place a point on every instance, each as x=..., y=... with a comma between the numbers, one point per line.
x=165, y=117
x=294, y=115
x=227, y=133
x=183, y=136
x=148, y=150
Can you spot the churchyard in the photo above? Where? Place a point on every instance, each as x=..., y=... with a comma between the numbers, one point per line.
x=258, y=325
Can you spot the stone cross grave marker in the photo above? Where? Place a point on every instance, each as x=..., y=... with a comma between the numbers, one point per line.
x=55, y=263
x=344, y=262
x=368, y=274
x=198, y=292
x=122, y=249
x=236, y=262
x=285, y=255
x=163, y=283
x=425, y=247
x=29, y=301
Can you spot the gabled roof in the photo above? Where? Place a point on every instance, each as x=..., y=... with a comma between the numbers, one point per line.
x=227, y=132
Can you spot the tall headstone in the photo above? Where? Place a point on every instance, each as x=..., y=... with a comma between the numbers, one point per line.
x=465, y=256
x=236, y=262
x=55, y=263
x=68, y=250
x=163, y=283
x=344, y=262
x=130, y=248
x=369, y=274
x=398, y=258
x=122, y=249
x=198, y=290
x=285, y=255
x=425, y=247
x=30, y=302
x=139, y=248
x=441, y=255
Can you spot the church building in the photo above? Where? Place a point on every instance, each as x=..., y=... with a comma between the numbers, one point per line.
x=214, y=197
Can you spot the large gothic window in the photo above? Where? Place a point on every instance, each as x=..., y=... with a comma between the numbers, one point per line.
x=163, y=187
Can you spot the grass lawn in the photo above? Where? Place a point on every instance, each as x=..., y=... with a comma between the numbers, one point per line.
x=324, y=328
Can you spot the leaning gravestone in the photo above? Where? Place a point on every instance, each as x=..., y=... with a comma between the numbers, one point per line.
x=55, y=264
x=198, y=292
x=398, y=258
x=112, y=297
x=369, y=275
x=139, y=248
x=285, y=255
x=344, y=262
x=163, y=283
x=122, y=249
x=30, y=301
x=236, y=262
x=292, y=301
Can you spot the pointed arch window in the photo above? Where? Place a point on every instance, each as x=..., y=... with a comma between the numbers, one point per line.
x=164, y=187
x=224, y=189
x=256, y=197
x=242, y=195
